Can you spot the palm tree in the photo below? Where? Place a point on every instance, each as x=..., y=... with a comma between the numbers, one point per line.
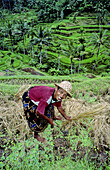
x=9, y=29
x=71, y=53
x=102, y=13
x=23, y=28
x=58, y=47
x=12, y=32
x=2, y=36
x=3, y=4
x=43, y=38
x=58, y=51
x=98, y=40
x=31, y=34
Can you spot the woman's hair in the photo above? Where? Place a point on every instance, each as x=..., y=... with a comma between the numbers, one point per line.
x=58, y=87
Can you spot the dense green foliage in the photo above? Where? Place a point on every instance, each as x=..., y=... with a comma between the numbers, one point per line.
x=50, y=10
x=72, y=42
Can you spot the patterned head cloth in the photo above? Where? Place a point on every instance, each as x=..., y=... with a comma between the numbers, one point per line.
x=66, y=85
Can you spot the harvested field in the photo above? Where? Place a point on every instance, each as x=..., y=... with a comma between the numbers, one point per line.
x=13, y=127
x=11, y=115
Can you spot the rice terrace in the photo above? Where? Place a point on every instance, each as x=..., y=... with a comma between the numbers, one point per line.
x=43, y=43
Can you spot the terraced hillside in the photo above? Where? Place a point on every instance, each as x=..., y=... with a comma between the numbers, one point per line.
x=84, y=28
x=89, y=51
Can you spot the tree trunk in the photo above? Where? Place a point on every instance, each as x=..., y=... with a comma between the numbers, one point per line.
x=11, y=42
x=58, y=61
x=3, y=4
x=46, y=53
x=23, y=45
x=79, y=65
x=41, y=56
x=9, y=5
x=96, y=59
x=71, y=66
x=32, y=52
x=62, y=15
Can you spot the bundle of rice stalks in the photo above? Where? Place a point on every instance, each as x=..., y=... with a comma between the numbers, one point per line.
x=12, y=120
x=18, y=95
x=101, y=129
x=100, y=113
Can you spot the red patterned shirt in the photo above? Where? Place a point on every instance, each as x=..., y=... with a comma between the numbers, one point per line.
x=42, y=97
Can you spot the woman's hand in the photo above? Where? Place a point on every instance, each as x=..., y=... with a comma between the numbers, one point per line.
x=68, y=117
x=58, y=118
x=45, y=117
x=60, y=109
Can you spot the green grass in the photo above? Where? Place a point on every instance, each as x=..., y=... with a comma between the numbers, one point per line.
x=27, y=155
x=80, y=84
x=68, y=28
x=94, y=85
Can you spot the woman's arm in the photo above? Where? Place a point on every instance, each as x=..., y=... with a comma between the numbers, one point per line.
x=60, y=109
x=45, y=117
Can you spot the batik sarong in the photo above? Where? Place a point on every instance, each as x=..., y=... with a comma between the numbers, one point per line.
x=36, y=123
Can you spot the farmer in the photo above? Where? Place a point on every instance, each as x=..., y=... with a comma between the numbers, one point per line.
x=39, y=102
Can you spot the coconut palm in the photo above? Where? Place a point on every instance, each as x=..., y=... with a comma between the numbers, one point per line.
x=10, y=31
x=71, y=52
x=23, y=28
x=31, y=34
x=102, y=13
x=98, y=40
x=58, y=50
x=43, y=38
x=2, y=36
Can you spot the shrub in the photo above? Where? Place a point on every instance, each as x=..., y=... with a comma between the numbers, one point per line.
x=42, y=67
x=61, y=24
x=66, y=72
x=104, y=74
x=83, y=69
x=6, y=52
x=3, y=67
x=54, y=72
x=16, y=63
x=1, y=55
x=25, y=59
x=2, y=62
x=13, y=55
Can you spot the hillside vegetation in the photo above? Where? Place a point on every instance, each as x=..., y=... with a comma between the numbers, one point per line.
x=77, y=43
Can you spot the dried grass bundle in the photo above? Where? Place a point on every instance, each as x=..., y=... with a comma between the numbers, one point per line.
x=18, y=95
x=100, y=113
x=78, y=109
x=13, y=120
x=101, y=129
